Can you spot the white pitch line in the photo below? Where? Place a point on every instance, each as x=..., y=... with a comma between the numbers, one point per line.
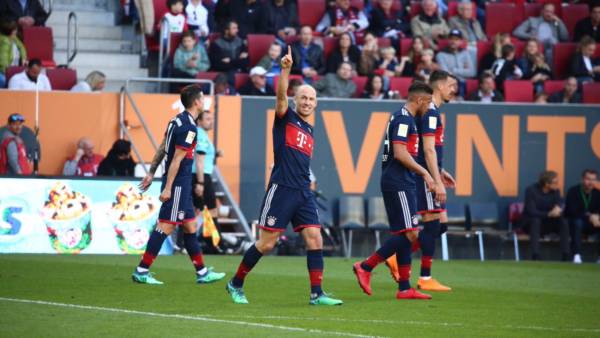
x=187, y=317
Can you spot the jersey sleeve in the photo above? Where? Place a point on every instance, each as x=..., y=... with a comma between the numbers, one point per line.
x=401, y=129
x=203, y=144
x=185, y=138
x=284, y=118
x=429, y=123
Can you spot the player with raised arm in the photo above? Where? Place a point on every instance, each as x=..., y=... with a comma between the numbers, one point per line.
x=288, y=197
x=176, y=195
x=398, y=187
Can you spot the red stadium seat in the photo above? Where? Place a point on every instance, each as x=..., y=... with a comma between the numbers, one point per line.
x=62, y=78
x=500, y=22
x=401, y=85
x=562, y=54
x=516, y=2
x=258, y=46
x=175, y=41
x=12, y=70
x=207, y=75
x=240, y=80
x=532, y=9
x=591, y=92
x=472, y=86
x=39, y=44
x=453, y=9
x=557, y=5
x=415, y=9
x=383, y=42
x=571, y=14
x=597, y=52
x=361, y=82
x=483, y=47
x=310, y=12
x=553, y=86
x=360, y=4
x=518, y=91
x=405, y=44
x=329, y=44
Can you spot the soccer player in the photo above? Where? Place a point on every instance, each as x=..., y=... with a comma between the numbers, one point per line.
x=176, y=195
x=288, y=197
x=398, y=186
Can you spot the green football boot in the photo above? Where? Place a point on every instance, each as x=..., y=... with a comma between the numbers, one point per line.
x=237, y=294
x=145, y=278
x=324, y=299
x=210, y=276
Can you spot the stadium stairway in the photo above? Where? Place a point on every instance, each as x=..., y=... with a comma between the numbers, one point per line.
x=103, y=45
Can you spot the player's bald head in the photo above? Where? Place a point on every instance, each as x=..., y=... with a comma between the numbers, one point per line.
x=305, y=100
x=305, y=89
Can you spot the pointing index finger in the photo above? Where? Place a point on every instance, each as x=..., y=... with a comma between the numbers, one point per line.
x=289, y=50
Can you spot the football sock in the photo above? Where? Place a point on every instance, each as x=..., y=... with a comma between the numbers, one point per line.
x=314, y=263
x=388, y=248
x=157, y=237
x=403, y=257
x=427, y=238
x=193, y=249
x=250, y=259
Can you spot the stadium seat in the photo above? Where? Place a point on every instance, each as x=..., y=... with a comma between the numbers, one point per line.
x=591, y=92
x=213, y=36
x=360, y=82
x=360, y=4
x=310, y=12
x=553, y=86
x=404, y=47
x=562, y=54
x=329, y=44
x=453, y=9
x=515, y=211
x=518, y=91
x=457, y=217
x=240, y=80
x=40, y=44
x=377, y=218
x=571, y=14
x=175, y=41
x=472, y=86
x=62, y=78
x=258, y=46
x=384, y=42
x=207, y=75
x=532, y=9
x=557, y=5
x=401, y=85
x=483, y=47
x=415, y=9
x=351, y=217
x=500, y=22
x=12, y=70
x=482, y=214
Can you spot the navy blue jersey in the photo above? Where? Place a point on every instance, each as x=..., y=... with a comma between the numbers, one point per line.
x=181, y=134
x=401, y=129
x=430, y=124
x=293, y=148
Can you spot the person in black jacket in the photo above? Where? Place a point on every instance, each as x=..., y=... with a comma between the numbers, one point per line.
x=345, y=52
x=543, y=213
x=228, y=53
x=589, y=26
x=388, y=22
x=583, y=211
x=584, y=66
x=281, y=18
x=30, y=14
x=506, y=67
x=567, y=95
x=307, y=55
x=118, y=161
x=249, y=15
x=487, y=92
x=257, y=85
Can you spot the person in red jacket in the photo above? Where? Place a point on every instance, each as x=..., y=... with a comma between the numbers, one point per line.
x=13, y=154
x=85, y=162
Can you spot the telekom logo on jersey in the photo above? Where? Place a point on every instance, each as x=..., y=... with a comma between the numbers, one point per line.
x=298, y=139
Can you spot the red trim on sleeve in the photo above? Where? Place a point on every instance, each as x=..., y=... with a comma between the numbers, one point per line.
x=303, y=226
x=428, y=134
x=271, y=229
x=399, y=142
x=168, y=221
x=403, y=231
x=183, y=148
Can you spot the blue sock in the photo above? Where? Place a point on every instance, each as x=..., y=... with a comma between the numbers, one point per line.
x=388, y=248
x=193, y=249
x=403, y=257
x=427, y=238
x=314, y=262
x=250, y=259
x=157, y=237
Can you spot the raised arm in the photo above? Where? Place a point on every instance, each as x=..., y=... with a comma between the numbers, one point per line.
x=282, y=87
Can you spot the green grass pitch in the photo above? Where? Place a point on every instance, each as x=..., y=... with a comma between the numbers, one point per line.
x=93, y=296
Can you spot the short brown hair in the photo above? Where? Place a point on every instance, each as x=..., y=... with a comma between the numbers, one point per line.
x=547, y=177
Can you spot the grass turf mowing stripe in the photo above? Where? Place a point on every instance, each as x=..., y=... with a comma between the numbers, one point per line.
x=185, y=317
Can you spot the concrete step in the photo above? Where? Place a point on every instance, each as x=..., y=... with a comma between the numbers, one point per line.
x=112, y=74
x=89, y=32
x=106, y=60
x=96, y=45
x=91, y=18
x=80, y=4
x=114, y=86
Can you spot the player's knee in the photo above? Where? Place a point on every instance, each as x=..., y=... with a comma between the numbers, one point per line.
x=313, y=239
x=266, y=245
x=166, y=228
x=190, y=228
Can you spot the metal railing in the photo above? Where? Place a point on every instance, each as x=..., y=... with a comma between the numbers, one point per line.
x=47, y=5
x=164, y=48
x=236, y=208
x=72, y=22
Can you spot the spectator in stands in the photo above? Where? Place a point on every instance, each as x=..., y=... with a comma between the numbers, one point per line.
x=176, y=20
x=341, y=19
x=12, y=50
x=539, y=73
x=271, y=62
x=257, y=85
x=338, y=84
x=506, y=67
x=30, y=78
x=567, y=95
x=197, y=18
x=222, y=85
x=249, y=14
x=374, y=89
x=293, y=87
x=527, y=59
x=487, y=92
x=94, y=82
x=85, y=162
x=26, y=13
x=583, y=211
x=548, y=29
x=429, y=24
x=540, y=98
x=425, y=67
x=389, y=22
x=345, y=52
x=388, y=64
x=310, y=61
x=589, y=26
x=228, y=53
x=13, y=153
x=369, y=56
x=500, y=40
x=118, y=161
x=466, y=23
x=281, y=18
x=583, y=66
x=190, y=57
x=414, y=56
x=457, y=61
x=543, y=214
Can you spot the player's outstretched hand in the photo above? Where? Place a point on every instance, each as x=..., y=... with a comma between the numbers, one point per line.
x=286, y=60
x=145, y=183
x=448, y=180
x=165, y=195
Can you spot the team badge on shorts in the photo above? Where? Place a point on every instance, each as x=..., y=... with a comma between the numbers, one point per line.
x=271, y=220
x=415, y=221
x=180, y=215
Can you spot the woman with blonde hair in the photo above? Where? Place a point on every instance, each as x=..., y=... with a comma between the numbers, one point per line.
x=500, y=40
x=94, y=82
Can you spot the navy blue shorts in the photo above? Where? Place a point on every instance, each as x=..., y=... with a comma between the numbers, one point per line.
x=180, y=208
x=426, y=199
x=400, y=207
x=282, y=205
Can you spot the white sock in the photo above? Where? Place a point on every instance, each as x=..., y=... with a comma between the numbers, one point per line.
x=141, y=270
x=202, y=271
x=426, y=278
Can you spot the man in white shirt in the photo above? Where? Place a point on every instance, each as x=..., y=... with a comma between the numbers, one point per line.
x=30, y=78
